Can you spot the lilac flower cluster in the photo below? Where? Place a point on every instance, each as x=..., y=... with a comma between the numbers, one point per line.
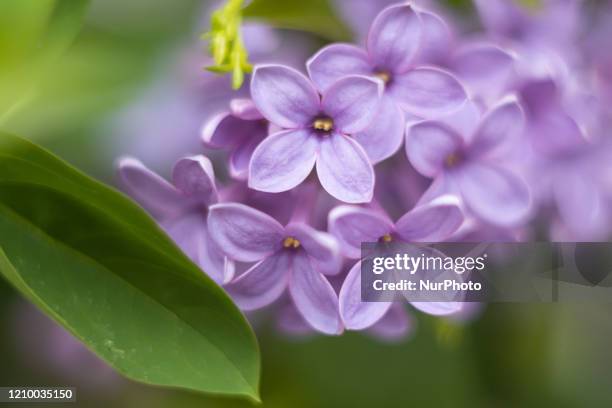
x=503, y=135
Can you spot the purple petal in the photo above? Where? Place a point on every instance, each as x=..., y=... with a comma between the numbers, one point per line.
x=436, y=38
x=244, y=234
x=263, y=283
x=191, y=234
x=354, y=225
x=336, y=61
x=283, y=160
x=485, y=68
x=359, y=14
x=150, y=190
x=344, y=169
x=225, y=130
x=284, y=96
x=321, y=247
x=395, y=325
x=245, y=109
x=499, y=128
x=241, y=156
x=383, y=138
x=428, y=91
x=429, y=144
x=581, y=204
x=314, y=296
x=352, y=102
x=432, y=222
x=394, y=38
x=194, y=177
x=463, y=121
x=556, y=133
x=438, y=308
x=358, y=315
x=291, y=322
x=494, y=194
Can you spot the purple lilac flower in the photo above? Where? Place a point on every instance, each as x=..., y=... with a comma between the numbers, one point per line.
x=469, y=164
x=352, y=114
x=550, y=22
x=240, y=130
x=295, y=257
x=432, y=222
x=181, y=208
x=393, y=46
x=317, y=132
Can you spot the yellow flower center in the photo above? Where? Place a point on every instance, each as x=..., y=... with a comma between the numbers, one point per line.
x=386, y=238
x=383, y=75
x=323, y=124
x=452, y=160
x=291, y=242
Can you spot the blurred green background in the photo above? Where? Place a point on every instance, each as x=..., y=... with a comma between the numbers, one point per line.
x=64, y=97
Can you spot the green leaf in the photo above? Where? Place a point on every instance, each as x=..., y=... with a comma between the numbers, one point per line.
x=315, y=16
x=98, y=265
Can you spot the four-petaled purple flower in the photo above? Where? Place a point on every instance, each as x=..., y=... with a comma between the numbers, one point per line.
x=393, y=45
x=181, y=209
x=295, y=256
x=432, y=222
x=318, y=131
x=469, y=164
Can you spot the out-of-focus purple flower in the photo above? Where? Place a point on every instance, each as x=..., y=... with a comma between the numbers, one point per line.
x=397, y=324
x=394, y=42
x=486, y=70
x=49, y=349
x=181, y=208
x=240, y=130
x=550, y=22
x=598, y=39
x=432, y=222
x=295, y=257
x=318, y=129
x=575, y=183
x=470, y=164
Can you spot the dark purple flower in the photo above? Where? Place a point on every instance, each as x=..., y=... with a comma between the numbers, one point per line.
x=469, y=164
x=240, y=130
x=318, y=129
x=295, y=257
x=181, y=209
x=393, y=46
